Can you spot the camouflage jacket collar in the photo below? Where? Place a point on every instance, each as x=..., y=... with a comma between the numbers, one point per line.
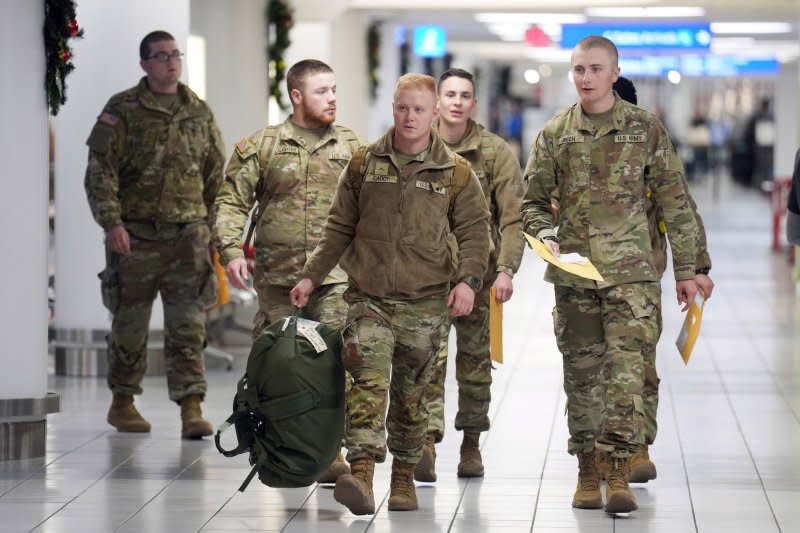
x=580, y=122
x=149, y=100
x=439, y=155
x=287, y=133
x=471, y=140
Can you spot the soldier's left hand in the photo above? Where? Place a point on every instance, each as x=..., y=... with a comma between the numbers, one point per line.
x=503, y=287
x=687, y=289
x=705, y=284
x=460, y=300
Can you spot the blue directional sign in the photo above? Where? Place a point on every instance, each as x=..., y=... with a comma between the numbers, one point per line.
x=429, y=41
x=698, y=65
x=691, y=36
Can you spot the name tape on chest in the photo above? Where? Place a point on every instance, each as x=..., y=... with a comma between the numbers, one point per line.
x=376, y=178
x=568, y=139
x=629, y=138
x=286, y=149
x=433, y=187
x=339, y=155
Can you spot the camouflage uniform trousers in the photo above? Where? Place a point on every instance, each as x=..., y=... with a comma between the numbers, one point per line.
x=603, y=335
x=651, y=382
x=181, y=270
x=390, y=351
x=325, y=305
x=473, y=371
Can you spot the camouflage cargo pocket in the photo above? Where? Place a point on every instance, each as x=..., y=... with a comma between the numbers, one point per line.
x=109, y=288
x=209, y=289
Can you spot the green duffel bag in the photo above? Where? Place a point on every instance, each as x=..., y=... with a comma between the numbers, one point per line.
x=288, y=410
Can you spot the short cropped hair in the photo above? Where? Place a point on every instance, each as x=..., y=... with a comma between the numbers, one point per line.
x=626, y=90
x=598, y=41
x=150, y=38
x=413, y=81
x=298, y=72
x=456, y=73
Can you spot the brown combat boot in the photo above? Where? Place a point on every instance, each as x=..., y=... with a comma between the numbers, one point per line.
x=603, y=462
x=354, y=490
x=337, y=468
x=642, y=468
x=125, y=417
x=194, y=425
x=425, y=469
x=471, y=464
x=587, y=493
x=402, y=493
x=619, y=498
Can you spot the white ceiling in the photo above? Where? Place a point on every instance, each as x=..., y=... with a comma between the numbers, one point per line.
x=463, y=30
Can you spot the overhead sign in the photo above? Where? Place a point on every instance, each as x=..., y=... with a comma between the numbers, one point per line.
x=697, y=65
x=429, y=41
x=692, y=36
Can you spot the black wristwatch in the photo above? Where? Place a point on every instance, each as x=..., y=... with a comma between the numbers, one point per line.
x=703, y=270
x=473, y=282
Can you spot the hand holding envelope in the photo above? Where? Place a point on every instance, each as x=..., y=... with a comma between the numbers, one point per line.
x=572, y=262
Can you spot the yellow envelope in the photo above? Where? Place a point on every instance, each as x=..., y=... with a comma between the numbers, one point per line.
x=495, y=328
x=223, y=296
x=691, y=327
x=585, y=270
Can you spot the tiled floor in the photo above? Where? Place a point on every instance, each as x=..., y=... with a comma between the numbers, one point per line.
x=728, y=450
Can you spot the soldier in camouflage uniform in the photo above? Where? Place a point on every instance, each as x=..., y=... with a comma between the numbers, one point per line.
x=400, y=205
x=642, y=468
x=498, y=171
x=291, y=170
x=602, y=156
x=155, y=166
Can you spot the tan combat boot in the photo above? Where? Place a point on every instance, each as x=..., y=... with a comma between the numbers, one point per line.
x=602, y=460
x=619, y=498
x=642, y=468
x=194, y=425
x=425, y=470
x=337, y=468
x=402, y=493
x=354, y=490
x=125, y=417
x=587, y=493
x=471, y=464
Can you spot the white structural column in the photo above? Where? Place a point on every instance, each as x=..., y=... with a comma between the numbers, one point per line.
x=107, y=62
x=24, y=400
x=785, y=109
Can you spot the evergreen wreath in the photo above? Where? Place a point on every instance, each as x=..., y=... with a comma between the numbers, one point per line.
x=373, y=57
x=60, y=26
x=279, y=15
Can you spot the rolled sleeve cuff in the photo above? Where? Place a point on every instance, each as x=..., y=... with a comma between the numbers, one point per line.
x=229, y=254
x=546, y=233
x=684, y=273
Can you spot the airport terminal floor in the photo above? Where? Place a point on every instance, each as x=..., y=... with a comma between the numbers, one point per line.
x=727, y=452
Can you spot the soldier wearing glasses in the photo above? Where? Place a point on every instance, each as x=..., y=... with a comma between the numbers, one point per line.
x=155, y=165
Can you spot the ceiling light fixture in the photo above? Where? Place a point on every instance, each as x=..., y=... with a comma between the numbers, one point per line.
x=750, y=27
x=645, y=12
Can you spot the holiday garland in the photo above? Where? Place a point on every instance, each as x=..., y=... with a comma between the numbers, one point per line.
x=60, y=26
x=373, y=57
x=279, y=15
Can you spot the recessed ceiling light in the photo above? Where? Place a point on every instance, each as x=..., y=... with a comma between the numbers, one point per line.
x=645, y=12
x=750, y=27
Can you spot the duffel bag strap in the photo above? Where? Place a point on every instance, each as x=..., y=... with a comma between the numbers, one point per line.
x=288, y=406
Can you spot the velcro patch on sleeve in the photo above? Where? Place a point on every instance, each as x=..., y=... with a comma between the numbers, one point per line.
x=107, y=119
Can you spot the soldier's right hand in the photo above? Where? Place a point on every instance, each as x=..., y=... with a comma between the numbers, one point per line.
x=118, y=240
x=300, y=293
x=553, y=245
x=237, y=272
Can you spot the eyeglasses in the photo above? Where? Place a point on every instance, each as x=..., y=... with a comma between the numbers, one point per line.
x=163, y=57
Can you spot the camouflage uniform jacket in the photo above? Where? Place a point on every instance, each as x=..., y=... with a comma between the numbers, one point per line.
x=498, y=170
x=394, y=229
x=299, y=184
x=655, y=219
x=602, y=177
x=150, y=165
